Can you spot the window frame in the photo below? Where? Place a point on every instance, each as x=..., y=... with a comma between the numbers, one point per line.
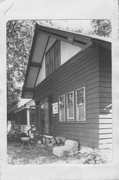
x=84, y=93
x=63, y=95
x=70, y=119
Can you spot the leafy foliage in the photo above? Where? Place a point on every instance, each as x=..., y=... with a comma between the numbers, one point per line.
x=17, y=56
x=89, y=156
x=101, y=27
x=19, y=39
x=93, y=157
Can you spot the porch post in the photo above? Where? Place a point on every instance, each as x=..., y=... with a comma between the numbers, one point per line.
x=37, y=116
x=28, y=117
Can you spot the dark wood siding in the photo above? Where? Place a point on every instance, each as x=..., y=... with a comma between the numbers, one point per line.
x=81, y=70
x=32, y=116
x=105, y=119
x=53, y=58
x=105, y=78
x=21, y=117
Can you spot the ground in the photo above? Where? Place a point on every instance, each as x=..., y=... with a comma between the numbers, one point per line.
x=37, y=155
x=42, y=154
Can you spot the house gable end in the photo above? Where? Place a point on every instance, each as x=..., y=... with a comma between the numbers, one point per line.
x=43, y=40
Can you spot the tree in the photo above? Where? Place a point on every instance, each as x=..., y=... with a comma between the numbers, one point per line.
x=19, y=39
x=101, y=27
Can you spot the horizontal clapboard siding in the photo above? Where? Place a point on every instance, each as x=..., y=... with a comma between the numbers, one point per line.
x=81, y=70
x=81, y=133
x=105, y=120
x=70, y=74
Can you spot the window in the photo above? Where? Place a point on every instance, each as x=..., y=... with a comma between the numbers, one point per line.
x=80, y=104
x=70, y=105
x=62, y=108
x=52, y=58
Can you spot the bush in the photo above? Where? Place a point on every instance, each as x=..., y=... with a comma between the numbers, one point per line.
x=86, y=155
x=93, y=156
x=13, y=135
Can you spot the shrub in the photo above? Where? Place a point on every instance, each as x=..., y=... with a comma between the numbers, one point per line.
x=93, y=156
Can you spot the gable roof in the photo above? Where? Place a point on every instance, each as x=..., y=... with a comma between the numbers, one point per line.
x=41, y=38
x=24, y=103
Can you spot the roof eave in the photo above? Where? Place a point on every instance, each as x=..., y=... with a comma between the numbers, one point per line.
x=63, y=35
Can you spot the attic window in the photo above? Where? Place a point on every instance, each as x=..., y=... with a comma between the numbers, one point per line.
x=53, y=58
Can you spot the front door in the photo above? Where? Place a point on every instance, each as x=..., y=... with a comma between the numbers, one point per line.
x=44, y=105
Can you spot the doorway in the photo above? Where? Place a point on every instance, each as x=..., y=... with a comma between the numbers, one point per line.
x=44, y=115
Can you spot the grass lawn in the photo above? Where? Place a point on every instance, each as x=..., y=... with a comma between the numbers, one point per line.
x=37, y=155
x=42, y=154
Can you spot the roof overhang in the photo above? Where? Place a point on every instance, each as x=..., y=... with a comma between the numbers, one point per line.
x=41, y=38
x=38, y=48
x=20, y=109
x=12, y=109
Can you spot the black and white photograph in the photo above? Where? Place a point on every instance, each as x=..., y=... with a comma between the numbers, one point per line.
x=60, y=109
x=47, y=60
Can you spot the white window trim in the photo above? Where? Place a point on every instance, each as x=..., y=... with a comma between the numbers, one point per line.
x=69, y=118
x=84, y=104
x=64, y=108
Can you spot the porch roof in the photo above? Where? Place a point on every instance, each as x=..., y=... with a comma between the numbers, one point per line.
x=41, y=38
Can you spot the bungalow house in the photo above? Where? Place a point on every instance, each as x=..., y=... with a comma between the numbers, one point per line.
x=69, y=78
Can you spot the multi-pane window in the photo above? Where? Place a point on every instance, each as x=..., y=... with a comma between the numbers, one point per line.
x=80, y=104
x=70, y=106
x=62, y=108
x=72, y=110
x=52, y=58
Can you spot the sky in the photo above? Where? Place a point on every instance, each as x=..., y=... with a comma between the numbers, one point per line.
x=84, y=25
